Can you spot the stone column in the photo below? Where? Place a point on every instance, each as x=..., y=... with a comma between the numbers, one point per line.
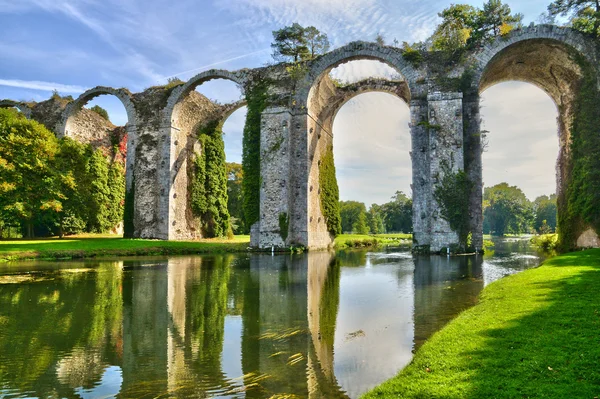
x=421, y=182
x=473, y=166
x=275, y=218
x=446, y=151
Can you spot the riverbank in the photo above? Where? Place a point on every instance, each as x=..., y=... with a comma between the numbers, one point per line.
x=533, y=334
x=101, y=246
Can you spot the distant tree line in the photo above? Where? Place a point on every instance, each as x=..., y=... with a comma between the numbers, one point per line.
x=506, y=210
x=392, y=217
x=55, y=187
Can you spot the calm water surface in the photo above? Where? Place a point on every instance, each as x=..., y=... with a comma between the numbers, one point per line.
x=305, y=326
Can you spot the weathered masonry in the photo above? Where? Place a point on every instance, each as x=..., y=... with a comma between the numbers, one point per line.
x=296, y=133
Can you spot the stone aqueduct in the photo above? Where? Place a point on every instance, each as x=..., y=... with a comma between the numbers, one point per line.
x=296, y=128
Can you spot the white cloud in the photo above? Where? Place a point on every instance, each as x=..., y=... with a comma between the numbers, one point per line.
x=45, y=86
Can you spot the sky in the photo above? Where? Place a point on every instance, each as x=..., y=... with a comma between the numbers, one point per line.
x=73, y=45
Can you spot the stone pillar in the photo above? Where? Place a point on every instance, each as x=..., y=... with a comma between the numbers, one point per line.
x=446, y=150
x=473, y=166
x=421, y=182
x=275, y=217
x=298, y=176
x=151, y=178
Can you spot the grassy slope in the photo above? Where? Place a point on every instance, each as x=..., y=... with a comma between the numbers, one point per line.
x=535, y=334
x=80, y=247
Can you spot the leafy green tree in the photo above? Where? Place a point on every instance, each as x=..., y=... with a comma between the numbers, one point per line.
x=317, y=42
x=350, y=212
x=235, y=175
x=458, y=22
x=290, y=43
x=397, y=214
x=29, y=185
x=506, y=210
x=375, y=219
x=584, y=15
x=297, y=43
x=360, y=226
x=545, y=210
x=497, y=18
x=100, y=111
x=379, y=39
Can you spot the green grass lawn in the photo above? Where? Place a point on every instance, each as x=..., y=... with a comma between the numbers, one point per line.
x=363, y=240
x=93, y=246
x=535, y=334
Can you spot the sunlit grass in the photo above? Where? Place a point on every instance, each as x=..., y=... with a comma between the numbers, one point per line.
x=94, y=246
x=364, y=240
x=534, y=334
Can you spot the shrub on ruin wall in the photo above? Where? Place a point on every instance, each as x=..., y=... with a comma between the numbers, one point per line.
x=257, y=100
x=579, y=204
x=452, y=194
x=208, y=183
x=329, y=195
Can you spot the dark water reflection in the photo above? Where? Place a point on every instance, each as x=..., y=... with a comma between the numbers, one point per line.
x=308, y=326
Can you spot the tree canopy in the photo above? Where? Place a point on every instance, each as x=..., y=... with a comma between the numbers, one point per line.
x=584, y=15
x=297, y=43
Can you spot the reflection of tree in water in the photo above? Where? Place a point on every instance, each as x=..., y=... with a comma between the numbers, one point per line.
x=357, y=258
x=207, y=308
x=61, y=342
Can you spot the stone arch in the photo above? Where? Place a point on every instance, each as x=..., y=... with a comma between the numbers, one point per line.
x=74, y=107
x=185, y=112
x=546, y=56
x=24, y=108
x=315, y=104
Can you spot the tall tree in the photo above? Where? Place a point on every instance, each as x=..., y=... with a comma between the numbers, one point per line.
x=350, y=212
x=545, y=211
x=507, y=210
x=583, y=14
x=317, y=42
x=290, y=43
x=458, y=22
x=397, y=213
x=29, y=185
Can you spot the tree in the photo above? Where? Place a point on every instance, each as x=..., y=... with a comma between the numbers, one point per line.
x=29, y=184
x=397, y=214
x=350, y=212
x=584, y=15
x=506, y=210
x=497, y=18
x=458, y=22
x=100, y=111
x=360, y=226
x=317, y=42
x=375, y=219
x=234, y=197
x=290, y=42
x=379, y=39
x=545, y=211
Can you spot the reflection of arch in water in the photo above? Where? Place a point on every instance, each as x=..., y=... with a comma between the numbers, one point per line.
x=187, y=111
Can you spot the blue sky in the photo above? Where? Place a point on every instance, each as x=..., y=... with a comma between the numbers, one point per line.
x=78, y=44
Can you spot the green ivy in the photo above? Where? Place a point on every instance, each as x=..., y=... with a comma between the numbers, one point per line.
x=208, y=182
x=452, y=195
x=579, y=203
x=330, y=195
x=257, y=101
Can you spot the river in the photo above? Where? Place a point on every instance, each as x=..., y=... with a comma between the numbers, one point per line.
x=315, y=325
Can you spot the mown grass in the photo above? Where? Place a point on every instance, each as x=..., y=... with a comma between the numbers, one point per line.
x=535, y=334
x=344, y=241
x=96, y=246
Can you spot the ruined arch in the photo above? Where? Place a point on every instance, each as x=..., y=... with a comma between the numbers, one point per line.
x=315, y=105
x=185, y=112
x=22, y=107
x=124, y=95
x=546, y=56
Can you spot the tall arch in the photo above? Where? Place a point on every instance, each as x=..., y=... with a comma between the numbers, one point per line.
x=185, y=112
x=314, y=106
x=546, y=56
